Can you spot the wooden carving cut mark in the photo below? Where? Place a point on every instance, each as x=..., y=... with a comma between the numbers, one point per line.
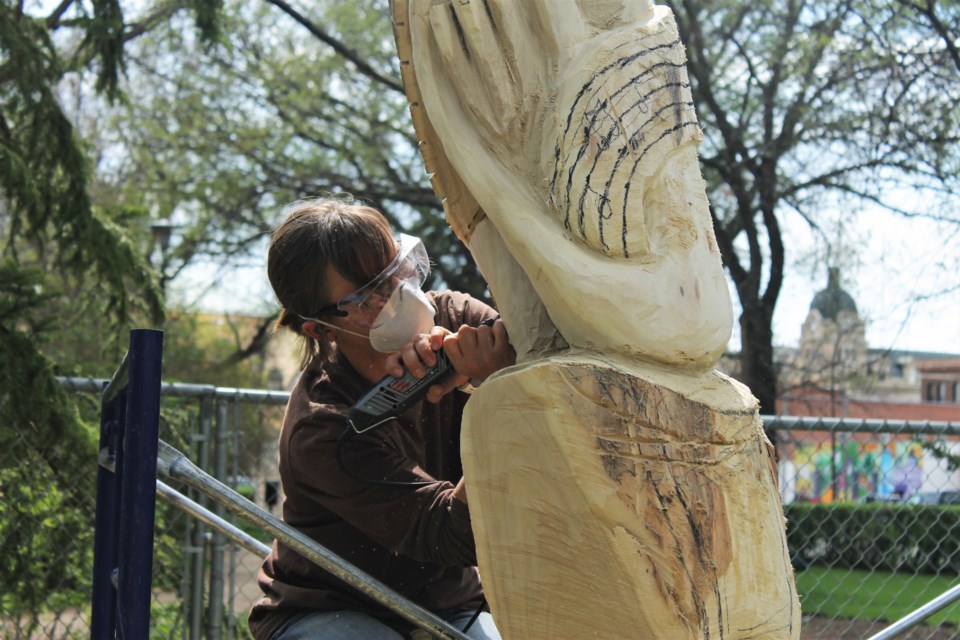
x=673, y=487
x=459, y=29
x=619, y=115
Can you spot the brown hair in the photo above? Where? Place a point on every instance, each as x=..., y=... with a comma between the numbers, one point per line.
x=352, y=238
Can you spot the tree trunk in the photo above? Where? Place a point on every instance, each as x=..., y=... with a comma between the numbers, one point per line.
x=756, y=357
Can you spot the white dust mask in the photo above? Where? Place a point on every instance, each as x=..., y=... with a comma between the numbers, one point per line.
x=407, y=314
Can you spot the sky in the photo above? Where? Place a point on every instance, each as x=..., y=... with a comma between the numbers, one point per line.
x=897, y=261
x=889, y=262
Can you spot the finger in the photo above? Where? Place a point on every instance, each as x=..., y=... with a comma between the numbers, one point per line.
x=499, y=332
x=464, y=49
x=447, y=34
x=436, y=337
x=412, y=360
x=451, y=347
x=394, y=365
x=485, y=337
x=437, y=391
x=504, y=355
x=626, y=12
x=467, y=339
x=425, y=350
x=554, y=30
x=496, y=354
x=493, y=57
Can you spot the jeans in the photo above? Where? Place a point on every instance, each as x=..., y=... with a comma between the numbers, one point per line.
x=352, y=625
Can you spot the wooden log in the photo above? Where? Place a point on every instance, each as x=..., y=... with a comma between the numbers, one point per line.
x=612, y=501
x=619, y=488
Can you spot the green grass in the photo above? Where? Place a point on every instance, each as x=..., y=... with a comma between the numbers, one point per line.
x=872, y=595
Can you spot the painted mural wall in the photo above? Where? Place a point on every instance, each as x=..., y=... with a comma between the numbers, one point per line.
x=821, y=468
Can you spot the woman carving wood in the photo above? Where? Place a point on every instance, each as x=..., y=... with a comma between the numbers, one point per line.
x=627, y=489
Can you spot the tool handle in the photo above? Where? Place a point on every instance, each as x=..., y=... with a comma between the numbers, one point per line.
x=392, y=396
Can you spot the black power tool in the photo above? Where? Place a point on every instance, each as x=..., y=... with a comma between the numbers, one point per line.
x=392, y=396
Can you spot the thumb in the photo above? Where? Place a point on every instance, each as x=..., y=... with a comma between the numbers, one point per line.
x=437, y=391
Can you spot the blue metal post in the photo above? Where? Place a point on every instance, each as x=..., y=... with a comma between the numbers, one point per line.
x=139, y=484
x=103, y=618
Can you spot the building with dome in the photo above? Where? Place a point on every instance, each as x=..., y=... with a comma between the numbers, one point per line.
x=833, y=343
x=834, y=372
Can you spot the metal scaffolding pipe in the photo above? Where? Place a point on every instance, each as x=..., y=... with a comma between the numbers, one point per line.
x=173, y=389
x=173, y=497
x=784, y=422
x=861, y=425
x=917, y=616
x=173, y=464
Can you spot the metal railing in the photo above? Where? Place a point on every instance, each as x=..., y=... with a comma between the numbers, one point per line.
x=173, y=464
x=861, y=425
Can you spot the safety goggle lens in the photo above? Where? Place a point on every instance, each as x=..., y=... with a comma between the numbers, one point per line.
x=410, y=264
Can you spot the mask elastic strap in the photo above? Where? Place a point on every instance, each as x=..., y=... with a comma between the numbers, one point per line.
x=336, y=328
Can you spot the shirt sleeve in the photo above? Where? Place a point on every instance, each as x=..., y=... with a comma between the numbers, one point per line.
x=366, y=480
x=455, y=309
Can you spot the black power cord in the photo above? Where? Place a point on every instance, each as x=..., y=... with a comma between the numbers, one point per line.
x=348, y=433
x=476, y=614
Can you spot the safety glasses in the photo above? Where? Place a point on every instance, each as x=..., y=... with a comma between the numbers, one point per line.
x=361, y=307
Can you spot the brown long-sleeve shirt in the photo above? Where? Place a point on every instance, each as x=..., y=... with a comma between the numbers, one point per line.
x=415, y=539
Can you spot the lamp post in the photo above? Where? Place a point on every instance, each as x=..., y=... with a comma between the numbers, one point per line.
x=161, y=232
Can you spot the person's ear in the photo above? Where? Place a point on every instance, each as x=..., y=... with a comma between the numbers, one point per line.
x=317, y=331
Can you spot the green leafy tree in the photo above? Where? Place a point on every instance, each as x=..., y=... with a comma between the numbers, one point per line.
x=220, y=139
x=56, y=244
x=807, y=108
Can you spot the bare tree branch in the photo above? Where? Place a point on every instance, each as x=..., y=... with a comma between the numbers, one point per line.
x=53, y=20
x=929, y=12
x=348, y=53
x=257, y=343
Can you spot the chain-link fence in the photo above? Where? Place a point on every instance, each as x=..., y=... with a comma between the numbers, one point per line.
x=203, y=585
x=872, y=531
x=873, y=521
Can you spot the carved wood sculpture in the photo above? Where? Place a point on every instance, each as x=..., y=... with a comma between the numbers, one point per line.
x=619, y=486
